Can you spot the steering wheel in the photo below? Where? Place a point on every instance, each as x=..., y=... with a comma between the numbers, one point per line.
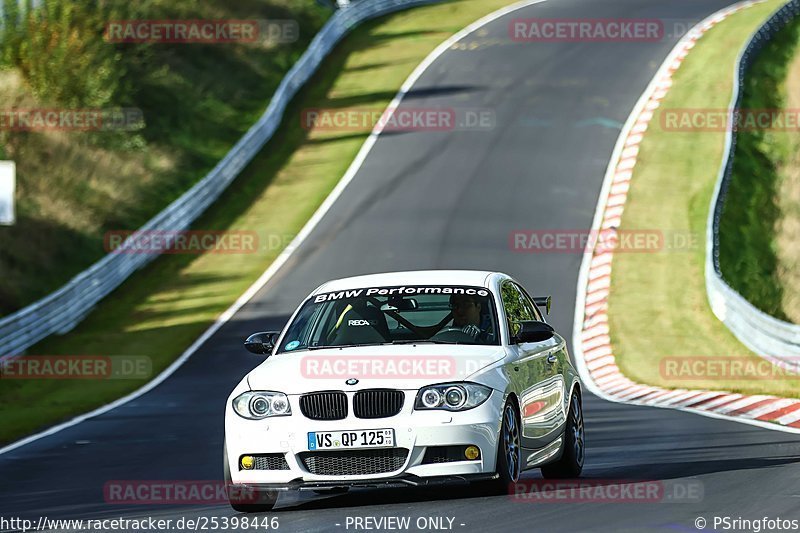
x=452, y=333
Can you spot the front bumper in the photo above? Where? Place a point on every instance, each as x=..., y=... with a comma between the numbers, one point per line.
x=414, y=431
x=403, y=480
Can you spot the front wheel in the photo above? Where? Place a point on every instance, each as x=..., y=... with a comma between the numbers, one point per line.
x=242, y=498
x=509, y=452
x=570, y=464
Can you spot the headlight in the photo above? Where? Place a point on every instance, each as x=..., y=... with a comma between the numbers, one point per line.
x=452, y=396
x=255, y=405
x=455, y=397
x=431, y=399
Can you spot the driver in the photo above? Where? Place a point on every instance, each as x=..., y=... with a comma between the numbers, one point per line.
x=467, y=315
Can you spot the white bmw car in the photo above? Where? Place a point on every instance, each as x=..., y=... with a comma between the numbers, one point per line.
x=405, y=379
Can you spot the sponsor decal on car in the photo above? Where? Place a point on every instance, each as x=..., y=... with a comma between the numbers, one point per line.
x=405, y=290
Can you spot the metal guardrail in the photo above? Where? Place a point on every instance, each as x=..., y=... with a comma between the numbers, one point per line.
x=769, y=337
x=63, y=309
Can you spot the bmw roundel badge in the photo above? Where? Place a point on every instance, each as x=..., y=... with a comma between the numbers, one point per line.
x=351, y=381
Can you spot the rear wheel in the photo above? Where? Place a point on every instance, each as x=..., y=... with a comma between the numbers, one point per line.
x=243, y=498
x=570, y=464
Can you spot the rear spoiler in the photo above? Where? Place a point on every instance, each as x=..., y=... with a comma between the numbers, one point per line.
x=543, y=301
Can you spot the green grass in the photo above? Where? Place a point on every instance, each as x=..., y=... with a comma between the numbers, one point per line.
x=197, y=100
x=160, y=310
x=749, y=250
x=658, y=307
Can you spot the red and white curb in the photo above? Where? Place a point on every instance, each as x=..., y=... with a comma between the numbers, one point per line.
x=593, y=352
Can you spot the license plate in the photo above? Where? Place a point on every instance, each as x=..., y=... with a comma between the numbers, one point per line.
x=367, y=438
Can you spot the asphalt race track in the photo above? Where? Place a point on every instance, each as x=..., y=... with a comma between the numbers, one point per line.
x=447, y=200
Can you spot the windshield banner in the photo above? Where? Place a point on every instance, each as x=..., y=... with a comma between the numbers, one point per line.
x=399, y=291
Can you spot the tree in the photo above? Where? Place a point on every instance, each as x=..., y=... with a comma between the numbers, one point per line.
x=64, y=57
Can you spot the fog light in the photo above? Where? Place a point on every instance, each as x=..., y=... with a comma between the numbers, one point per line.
x=472, y=453
x=247, y=462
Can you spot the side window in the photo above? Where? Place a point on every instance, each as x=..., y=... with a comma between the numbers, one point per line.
x=516, y=306
x=530, y=305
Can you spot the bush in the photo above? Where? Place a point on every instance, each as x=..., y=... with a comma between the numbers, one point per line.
x=60, y=50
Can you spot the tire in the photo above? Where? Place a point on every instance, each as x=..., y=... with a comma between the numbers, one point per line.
x=509, y=452
x=570, y=464
x=258, y=501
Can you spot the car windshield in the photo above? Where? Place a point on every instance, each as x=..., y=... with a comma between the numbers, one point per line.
x=394, y=315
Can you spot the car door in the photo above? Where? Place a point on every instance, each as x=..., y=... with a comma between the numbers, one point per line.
x=535, y=372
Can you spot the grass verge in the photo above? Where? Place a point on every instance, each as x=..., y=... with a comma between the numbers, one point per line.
x=658, y=310
x=196, y=99
x=758, y=243
x=160, y=310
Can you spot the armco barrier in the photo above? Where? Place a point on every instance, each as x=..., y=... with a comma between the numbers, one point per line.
x=769, y=337
x=61, y=310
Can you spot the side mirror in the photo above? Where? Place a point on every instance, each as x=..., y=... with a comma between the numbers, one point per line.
x=261, y=343
x=544, y=301
x=534, y=331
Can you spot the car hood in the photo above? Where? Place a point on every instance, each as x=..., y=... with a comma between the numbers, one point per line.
x=408, y=367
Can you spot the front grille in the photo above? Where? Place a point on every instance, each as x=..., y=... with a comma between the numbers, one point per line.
x=270, y=461
x=439, y=459
x=324, y=405
x=377, y=403
x=354, y=462
x=445, y=454
x=439, y=454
